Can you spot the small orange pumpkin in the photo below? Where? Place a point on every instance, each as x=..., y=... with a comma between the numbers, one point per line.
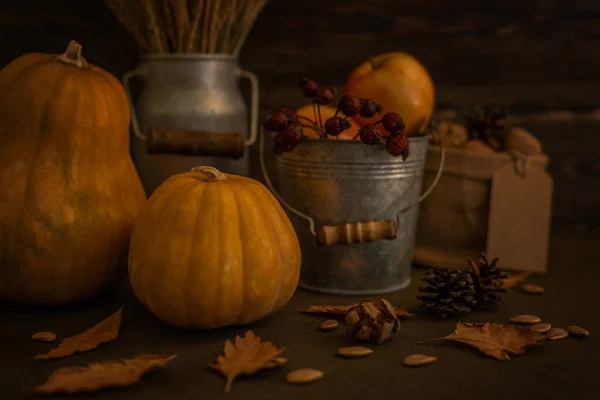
x=70, y=192
x=212, y=249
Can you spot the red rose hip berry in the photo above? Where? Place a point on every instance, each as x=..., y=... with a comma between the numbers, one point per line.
x=370, y=134
x=336, y=125
x=276, y=122
x=369, y=108
x=309, y=87
x=287, y=139
x=397, y=145
x=349, y=105
x=393, y=123
x=325, y=96
x=291, y=114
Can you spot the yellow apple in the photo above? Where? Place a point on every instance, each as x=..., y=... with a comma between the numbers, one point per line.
x=326, y=112
x=399, y=83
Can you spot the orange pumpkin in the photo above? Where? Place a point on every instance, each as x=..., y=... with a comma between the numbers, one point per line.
x=212, y=249
x=70, y=192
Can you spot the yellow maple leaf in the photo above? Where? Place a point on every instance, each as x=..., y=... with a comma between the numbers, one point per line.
x=245, y=357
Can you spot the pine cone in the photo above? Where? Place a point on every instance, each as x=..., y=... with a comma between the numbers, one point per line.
x=448, y=292
x=487, y=124
x=372, y=321
x=487, y=281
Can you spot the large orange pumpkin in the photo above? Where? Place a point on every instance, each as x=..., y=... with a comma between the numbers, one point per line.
x=70, y=192
x=212, y=249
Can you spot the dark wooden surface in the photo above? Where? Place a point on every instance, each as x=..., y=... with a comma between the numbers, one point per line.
x=565, y=369
x=529, y=55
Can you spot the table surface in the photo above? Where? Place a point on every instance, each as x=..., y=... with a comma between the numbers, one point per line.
x=564, y=369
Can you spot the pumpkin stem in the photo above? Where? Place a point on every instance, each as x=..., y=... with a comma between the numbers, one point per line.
x=215, y=174
x=72, y=55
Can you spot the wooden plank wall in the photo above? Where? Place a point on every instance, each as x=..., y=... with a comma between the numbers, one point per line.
x=541, y=58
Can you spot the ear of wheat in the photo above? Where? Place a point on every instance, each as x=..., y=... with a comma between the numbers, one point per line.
x=188, y=26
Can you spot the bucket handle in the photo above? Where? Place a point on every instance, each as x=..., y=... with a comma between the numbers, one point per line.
x=357, y=232
x=195, y=143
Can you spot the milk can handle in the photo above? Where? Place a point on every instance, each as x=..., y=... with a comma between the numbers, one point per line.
x=190, y=142
x=254, y=98
x=140, y=72
x=358, y=232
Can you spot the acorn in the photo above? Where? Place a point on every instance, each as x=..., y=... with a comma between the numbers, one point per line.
x=372, y=321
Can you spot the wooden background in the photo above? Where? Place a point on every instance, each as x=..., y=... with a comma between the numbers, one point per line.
x=541, y=58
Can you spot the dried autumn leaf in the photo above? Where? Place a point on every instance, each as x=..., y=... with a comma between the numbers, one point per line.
x=514, y=279
x=494, y=340
x=104, y=331
x=104, y=374
x=342, y=310
x=247, y=356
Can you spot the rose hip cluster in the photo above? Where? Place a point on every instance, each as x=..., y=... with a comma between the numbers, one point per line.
x=288, y=126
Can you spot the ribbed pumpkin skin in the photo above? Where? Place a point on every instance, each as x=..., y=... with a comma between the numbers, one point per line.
x=69, y=191
x=206, y=254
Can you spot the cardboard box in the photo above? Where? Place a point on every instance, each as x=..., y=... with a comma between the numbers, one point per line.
x=495, y=203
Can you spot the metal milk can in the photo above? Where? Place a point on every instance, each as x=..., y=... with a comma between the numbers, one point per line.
x=190, y=112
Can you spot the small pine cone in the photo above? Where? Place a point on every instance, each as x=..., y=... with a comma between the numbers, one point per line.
x=372, y=321
x=487, y=282
x=447, y=292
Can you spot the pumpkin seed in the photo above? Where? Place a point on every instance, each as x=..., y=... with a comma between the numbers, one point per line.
x=532, y=289
x=415, y=360
x=44, y=336
x=541, y=327
x=280, y=360
x=526, y=319
x=354, y=351
x=304, y=375
x=329, y=325
x=578, y=331
x=557, y=333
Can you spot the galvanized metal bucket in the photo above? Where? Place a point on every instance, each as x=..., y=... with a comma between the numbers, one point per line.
x=354, y=208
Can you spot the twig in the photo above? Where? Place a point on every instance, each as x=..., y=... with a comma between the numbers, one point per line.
x=205, y=26
x=225, y=37
x=215, y=24
x=150, y=12
x=128, y=22
x=168, y=23
x=193, y=33
x=255, y=9
x=183, y=24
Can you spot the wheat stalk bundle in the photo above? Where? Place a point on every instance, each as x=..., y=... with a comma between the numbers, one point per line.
x=188, y=26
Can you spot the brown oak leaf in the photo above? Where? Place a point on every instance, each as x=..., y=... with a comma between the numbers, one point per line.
x=494, y=340
x=247, y=356
x=104, y=374
x=514, y=279
x=104, y=331
x=342, y=310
